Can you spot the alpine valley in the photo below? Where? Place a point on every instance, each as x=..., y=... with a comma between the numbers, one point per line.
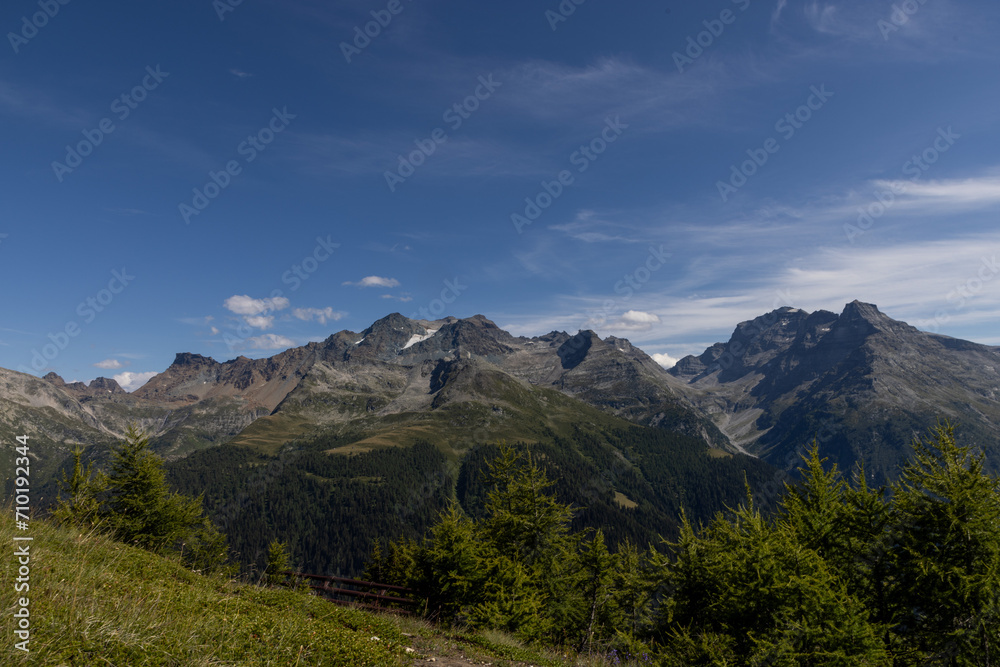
x=370, y=435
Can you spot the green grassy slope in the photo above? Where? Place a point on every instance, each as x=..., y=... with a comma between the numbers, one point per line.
x=94, y=601
x=97, y=602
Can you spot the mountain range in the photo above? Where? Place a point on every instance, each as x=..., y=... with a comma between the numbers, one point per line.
x=860, y=383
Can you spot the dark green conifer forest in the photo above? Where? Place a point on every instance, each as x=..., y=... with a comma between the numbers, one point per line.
x=330, y=508
x=838, y=574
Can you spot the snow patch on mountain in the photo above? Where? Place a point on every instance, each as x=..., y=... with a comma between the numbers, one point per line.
x=419, y=338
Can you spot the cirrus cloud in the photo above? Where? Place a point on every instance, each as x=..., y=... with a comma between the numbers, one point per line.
x=270, y=342
x=321, y=315
x=111, y=364
x=259, y=321
x=374, y=281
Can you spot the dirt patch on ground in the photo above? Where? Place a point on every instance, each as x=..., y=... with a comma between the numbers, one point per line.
x=442, y=652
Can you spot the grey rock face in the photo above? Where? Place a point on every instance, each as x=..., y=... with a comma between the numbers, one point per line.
x=860, y=382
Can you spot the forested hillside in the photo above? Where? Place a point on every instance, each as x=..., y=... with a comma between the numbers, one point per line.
x=330, y=507
x=840, y=574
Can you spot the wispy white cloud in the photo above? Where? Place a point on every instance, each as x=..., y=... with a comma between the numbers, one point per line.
x=776, y=13
x=28, y=102
x=270, y=342
x=590, y=227
x=824, y=17
x=374, y=281
x=321, y=315
x=933, y=197
x=859, y=29
x=939, y=285
x=111, y=364
x=196, y=321
x=259, y=321
x=655, y=99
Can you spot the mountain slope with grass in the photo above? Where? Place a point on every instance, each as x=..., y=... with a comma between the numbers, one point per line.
x=94, y=601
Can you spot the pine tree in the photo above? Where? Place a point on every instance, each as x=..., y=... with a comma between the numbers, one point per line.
x=204, y=548
x=632, y=590
x=945, y=554
x=598, y=570
x=814, y=509
x=140, y=508
x=278, y=559
x=864, y=566
x=451, y=564
x=522, y=519
x=745, y=591
x=82, y=504
x=528, y=526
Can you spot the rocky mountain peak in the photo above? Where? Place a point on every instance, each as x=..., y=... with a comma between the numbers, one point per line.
x=862, y=316
x=756, y=342
x=770, y=330
x=575, y=349
x=475, y=336
x=861, y=310
x=54, y=378
x=384, y=339
x=103, y=385
x=191, y=359
x=391, y=322
x=859, y=322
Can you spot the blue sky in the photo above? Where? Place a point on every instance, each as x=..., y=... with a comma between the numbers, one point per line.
x=237, y=179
